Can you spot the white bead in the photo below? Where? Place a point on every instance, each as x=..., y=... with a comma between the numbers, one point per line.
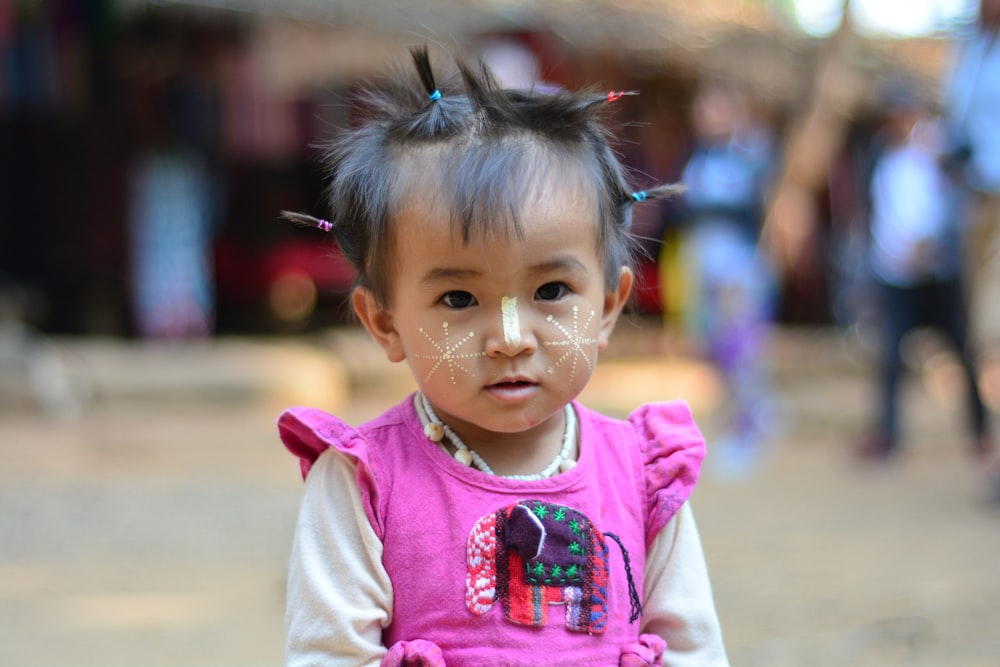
x=434, y=431
x=567, y=465
x=463, y=456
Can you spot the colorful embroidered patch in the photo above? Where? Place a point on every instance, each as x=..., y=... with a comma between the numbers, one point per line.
x=533, y=554
x=481, y=578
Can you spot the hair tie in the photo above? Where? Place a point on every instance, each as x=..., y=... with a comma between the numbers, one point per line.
x=639, y=196
x=325, y=225
x=612, y=96
x=435, y=96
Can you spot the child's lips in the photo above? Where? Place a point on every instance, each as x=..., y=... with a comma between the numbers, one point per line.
x=513, y=388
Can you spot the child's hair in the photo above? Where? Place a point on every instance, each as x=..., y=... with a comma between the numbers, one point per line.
x=488, y=144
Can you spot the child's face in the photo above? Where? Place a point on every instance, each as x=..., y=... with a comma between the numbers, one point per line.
x=500, y=333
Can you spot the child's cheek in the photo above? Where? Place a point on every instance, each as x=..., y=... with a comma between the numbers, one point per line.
x=446, y=354
x=573, y=343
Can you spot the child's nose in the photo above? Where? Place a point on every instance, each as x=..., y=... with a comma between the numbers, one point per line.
x=511, y=337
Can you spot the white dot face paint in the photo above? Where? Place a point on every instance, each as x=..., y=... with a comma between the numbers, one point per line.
x=576, y=338
x=511, y=323
x=448, y=354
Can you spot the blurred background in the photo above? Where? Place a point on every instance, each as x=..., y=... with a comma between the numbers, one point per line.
x=156, y=315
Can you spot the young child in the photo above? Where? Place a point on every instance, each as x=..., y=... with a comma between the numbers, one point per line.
x=490, y=519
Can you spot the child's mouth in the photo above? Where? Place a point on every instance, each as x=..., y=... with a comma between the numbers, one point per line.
x=512, y=389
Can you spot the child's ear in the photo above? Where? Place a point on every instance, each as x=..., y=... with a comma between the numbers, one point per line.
x=614, y=301
x=379, y=323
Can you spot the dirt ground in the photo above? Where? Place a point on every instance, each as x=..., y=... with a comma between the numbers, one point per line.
x=153, y=528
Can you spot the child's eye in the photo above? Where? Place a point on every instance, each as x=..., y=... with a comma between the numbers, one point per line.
x=551, y=291
x=458, y=299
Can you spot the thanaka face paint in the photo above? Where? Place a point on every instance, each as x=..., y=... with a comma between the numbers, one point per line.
x=447, y=353
x=511, y=323
x=576, y=338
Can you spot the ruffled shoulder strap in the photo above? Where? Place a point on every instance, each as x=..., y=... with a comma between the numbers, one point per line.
x=673, y=449
x=308, y=432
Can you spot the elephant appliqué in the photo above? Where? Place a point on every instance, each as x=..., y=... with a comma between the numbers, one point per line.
x=533, y=554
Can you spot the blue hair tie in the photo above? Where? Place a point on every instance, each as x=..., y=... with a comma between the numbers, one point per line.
x=639, y=196
x=435, y=96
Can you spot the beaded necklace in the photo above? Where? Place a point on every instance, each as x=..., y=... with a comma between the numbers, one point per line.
x=436, y=430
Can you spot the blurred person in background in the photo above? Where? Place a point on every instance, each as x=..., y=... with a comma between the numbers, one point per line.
x=174, y=195
x=972, y=100
x=915, y=261
x=171, y=238
x=727, y=283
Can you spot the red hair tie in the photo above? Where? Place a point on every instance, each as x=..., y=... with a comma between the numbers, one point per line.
x=612, y=96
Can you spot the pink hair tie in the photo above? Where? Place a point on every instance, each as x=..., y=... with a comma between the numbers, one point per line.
x=325, y=225
x=612, y=96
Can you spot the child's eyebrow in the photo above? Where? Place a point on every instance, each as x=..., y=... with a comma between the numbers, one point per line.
x=446, y=273
x=440, y=273
x=557, y=264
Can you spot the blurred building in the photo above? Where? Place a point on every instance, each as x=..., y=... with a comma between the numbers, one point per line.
x=251, y=87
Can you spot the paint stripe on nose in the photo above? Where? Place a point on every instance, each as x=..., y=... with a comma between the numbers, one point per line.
x=511, y=324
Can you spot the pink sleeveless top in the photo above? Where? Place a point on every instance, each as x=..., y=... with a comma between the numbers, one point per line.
x=491, y=571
